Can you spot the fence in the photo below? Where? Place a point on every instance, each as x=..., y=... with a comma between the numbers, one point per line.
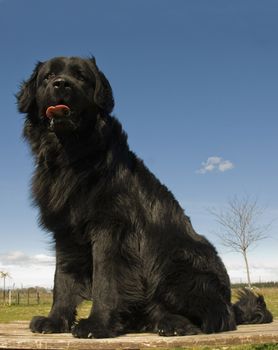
x=28, y=296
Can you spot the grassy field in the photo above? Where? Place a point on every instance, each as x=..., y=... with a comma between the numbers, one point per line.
x=25, y=312
x=236, y=347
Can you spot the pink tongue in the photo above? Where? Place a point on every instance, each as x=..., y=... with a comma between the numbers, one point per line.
x=59, y=110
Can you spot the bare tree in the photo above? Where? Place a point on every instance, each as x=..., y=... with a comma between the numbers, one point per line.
x=240, y=226
x=4, y=275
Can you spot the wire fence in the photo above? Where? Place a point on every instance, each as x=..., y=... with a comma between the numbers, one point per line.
x=26, y=296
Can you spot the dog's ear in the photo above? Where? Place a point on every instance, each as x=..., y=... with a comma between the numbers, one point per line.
x=26, y=97
x=260, y=300
x=103, y=96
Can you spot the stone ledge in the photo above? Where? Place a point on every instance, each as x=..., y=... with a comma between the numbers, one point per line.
x=16, y=335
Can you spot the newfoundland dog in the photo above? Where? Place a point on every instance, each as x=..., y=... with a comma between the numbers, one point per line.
x=121, y=238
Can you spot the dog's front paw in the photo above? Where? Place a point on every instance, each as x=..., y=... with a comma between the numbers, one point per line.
x=88, y=328
x=41, y=324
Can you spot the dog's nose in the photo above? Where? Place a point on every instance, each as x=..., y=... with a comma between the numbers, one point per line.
x=61, y=83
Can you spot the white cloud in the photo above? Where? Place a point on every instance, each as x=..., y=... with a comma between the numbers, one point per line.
x=18, y=258
x=28, y=270
x=215, y=164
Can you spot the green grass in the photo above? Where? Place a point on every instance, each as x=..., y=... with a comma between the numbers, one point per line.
x=26, y=312
x=22, y=312
x=232, y=347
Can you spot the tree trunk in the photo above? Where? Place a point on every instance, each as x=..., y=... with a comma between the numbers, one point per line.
x=247, y=268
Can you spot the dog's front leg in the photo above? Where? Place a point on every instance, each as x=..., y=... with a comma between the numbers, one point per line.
x=66, y=297
x=104, y=320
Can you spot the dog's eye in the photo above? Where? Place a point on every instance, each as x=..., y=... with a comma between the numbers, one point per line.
x=49, y=76
x=80, y=76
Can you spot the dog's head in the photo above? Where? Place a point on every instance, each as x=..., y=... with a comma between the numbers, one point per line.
x=64, y=92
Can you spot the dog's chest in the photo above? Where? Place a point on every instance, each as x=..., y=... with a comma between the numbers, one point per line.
x=58, y=192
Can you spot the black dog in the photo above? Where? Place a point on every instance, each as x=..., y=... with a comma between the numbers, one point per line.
x=121, y=237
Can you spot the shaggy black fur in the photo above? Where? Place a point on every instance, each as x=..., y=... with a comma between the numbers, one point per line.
x=251, y=308
x=121, y=237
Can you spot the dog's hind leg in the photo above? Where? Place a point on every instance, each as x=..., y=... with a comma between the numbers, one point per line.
x=251, y=308
x=166, y=323
x=197, y=301
x=218, y=317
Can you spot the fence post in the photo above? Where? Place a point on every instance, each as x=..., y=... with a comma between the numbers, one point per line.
x=10, y=297
x=38, y=297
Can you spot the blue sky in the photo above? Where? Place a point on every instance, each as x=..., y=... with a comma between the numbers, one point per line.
x=195, y=84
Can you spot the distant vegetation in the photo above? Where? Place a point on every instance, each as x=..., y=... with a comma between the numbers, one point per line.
x=257, y=285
